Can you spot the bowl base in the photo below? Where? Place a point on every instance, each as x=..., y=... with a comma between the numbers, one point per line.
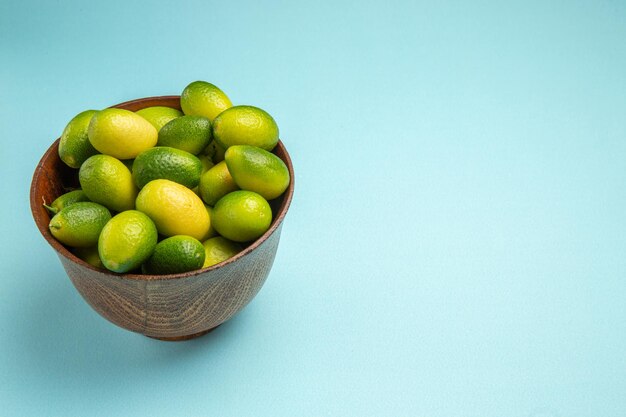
x=185, y=337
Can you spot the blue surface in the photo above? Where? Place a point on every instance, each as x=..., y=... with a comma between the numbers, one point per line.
x=457, y=241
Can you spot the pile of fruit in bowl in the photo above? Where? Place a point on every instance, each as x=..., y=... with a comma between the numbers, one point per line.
x=164, y=191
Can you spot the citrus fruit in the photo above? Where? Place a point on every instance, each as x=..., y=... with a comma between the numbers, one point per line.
x=245, y=125
x=242, y=216
x=89, y=255
x=216, y=183
x=107, y=181
x=158, y=116
x=204, y=99
x=66, y=199
x=189, y=133
x=166, y=163
x=74, y=146
x=219, y=249
x=174, y=255
x=174, y=208
x=121, y=133
x=126, y=241
x=79, y=224
x=255, y=169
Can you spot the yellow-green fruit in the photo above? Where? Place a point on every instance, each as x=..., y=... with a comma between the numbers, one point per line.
x=189, y=133
x=255, y=169
x=175, y=255
x=79, y=224
x=245, y=125
x=89, y=255
x=174, y=208
x=67, y=199
x=167, y=163
x=158, y=116
x=107, y=181
x=74, y=146
x=219, y=249
x=216, y=183
x=204, y=99
x=242, y=216
x=126, y=241
x=121, y=133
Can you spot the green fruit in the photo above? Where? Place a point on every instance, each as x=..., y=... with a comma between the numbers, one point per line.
x=216, y=183
x=255, y=169
x=158, y=116
x=204, y=99
x=89, y=255
x=163, y=162
x=245, y=125
x=218, y=249
x=121, y=133
x=174, y=255
x=107, y=181
x=242, y=216
x=74, y=146
x=79, y=224
x=174, y=208
x=189, y=133
x=126, y=241
x=67, y=199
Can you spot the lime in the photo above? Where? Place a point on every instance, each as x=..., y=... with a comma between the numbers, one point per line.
x=74, y=146
x=174, y=255
x=174, y=208
x=219, y=249
x=167, y=163
x=255, y=169
x=204, y=99
x=158, y=116
x=126, y=241
x=245, y=125
x=79, y=224
x=89, y=255
x=107, y=181
x=121, y=133
x=242, y=216
x=216, y=183
x=66, y=199
x=189, y=133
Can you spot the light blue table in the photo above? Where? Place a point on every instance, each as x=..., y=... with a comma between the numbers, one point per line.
x=457, y=242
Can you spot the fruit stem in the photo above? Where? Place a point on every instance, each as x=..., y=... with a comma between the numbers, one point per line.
x=51, y=209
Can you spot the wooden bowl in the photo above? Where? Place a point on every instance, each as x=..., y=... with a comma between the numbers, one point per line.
x=166, y=307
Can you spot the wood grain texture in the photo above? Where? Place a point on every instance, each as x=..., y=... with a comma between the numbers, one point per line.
x=168, y=307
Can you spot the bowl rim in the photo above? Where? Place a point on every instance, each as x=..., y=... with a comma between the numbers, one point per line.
x=62, y=250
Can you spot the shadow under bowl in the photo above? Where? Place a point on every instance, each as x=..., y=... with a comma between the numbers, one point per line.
x=167, y=307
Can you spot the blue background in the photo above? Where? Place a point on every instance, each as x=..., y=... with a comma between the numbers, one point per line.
x=456, y=245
